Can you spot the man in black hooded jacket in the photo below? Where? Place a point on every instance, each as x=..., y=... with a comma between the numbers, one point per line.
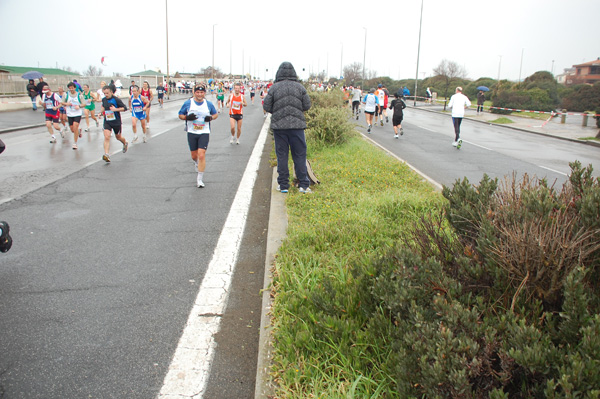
x=287, y=100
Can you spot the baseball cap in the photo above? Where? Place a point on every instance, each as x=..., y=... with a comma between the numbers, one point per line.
x=379, y=85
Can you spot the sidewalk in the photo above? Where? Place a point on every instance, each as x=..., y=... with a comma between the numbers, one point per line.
x=570, y=131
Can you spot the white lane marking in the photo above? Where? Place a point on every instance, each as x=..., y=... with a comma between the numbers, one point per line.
x=477, y=145
x=190, y=368
x=423, y=127
x=553, y=170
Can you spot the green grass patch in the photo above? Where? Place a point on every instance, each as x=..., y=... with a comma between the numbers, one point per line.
x=502, y=120
x=590, y=138
x=364, y=206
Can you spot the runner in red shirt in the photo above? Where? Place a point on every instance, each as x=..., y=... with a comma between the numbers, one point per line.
x=146, y=92
x=236, y=102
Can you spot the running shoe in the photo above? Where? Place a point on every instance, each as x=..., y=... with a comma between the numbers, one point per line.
x=454, y=143
x=356, y=116
x=75, y=146
x=382, y=122
x=87, y=129
x=106, y=158
x=135, y=138
x=125, y=146
x=459, y=144
x=369, y=129
x=199, y=182
x=5, y=238
x=231, y=140
x=285, y=190
x=401, y=132
x=145, y=139
x=395, y=136
x=52, y=140
x=306, y=190
x=238, y=141
x=62, y=132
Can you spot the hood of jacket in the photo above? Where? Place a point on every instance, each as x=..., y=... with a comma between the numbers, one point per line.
x=286, y=71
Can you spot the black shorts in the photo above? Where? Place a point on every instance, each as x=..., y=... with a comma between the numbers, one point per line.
x=160, y=96
x=74, y=119
x=252, y=95
x=370, y=112
x=397, y=119
x=52, y=118
x=198, y=141
x=237, y=117
x=114, y=128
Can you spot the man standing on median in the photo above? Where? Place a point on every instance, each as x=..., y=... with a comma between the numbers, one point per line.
x=287, y=100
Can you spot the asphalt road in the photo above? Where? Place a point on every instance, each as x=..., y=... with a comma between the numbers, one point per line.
x=492, y=150
x=108, y=258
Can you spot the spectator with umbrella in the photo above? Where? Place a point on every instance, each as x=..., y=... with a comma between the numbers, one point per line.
x=32, y=89
x=481, y=98
x=32, y=92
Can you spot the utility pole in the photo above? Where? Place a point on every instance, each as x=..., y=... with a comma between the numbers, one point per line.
x=418, y=55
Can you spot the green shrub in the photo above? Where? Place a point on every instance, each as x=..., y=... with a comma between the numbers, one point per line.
x=505, y=303
x=328, y=120
x=583, y=98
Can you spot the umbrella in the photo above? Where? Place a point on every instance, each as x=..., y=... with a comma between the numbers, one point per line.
x=483, y=88
x=32, y=75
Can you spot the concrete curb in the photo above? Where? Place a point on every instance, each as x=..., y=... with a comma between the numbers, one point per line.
x=587, y=142
x=264, y=387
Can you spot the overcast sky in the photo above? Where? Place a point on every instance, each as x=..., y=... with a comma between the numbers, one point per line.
x=252, y=36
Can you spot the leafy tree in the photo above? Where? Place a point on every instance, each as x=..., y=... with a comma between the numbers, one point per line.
x=93, y=71
x=353, y=73
x=446, y=74
x=583, y=98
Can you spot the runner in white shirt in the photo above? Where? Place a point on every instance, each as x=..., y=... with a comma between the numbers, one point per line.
x=458, y=102
x=371, y=103
x=356, y=95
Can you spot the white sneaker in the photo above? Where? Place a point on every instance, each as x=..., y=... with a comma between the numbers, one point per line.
x=199, y=182
x=306, y=190
x=145, y=139
x=454, y=143
x=135, y=138
x=52, y=139
x=395, y=136
x=238, y=141
x=231, y=140
x=87, y=129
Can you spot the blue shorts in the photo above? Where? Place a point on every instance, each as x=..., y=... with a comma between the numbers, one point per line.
x=198, y=141
x=139, y=115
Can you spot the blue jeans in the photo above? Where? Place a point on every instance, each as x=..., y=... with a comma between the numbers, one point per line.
x=291, y=140
x=34, y=103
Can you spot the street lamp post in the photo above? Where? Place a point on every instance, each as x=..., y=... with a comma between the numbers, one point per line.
x=364, y=58
x=213, y=54
x=341, y=60
x=418, y=55
x=499, y=63
x=167, y=28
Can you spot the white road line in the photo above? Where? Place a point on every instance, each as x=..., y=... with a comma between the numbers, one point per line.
x=423, y=127
x=553, y=170
x=190, y=368
x=477, y=145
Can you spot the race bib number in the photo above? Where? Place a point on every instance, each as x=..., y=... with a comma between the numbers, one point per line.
x=49, y=104
x=110, y=115
x=199, y=125
x=88, y=101
x=237, y=105
x=138, y=109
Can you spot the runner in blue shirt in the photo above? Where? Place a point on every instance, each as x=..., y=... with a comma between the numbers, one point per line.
x=138, y=105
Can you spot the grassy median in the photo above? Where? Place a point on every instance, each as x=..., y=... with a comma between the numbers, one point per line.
x=362, y=209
